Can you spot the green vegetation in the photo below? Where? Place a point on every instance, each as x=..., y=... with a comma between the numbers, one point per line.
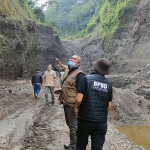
x=77, y=18
x=72, y=18
x=23, y=10
x=39, y=14
x=1, y=44
x=16, y=9
x=25, y=6
x=39, y=10
x=112, y=13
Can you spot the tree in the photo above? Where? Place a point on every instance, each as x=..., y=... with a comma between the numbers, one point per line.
x=39, y=14
x=49, y=2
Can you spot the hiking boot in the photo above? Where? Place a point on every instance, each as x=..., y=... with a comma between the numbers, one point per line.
x=47, y=103
x=72, y=148
x=35, y=95
x=53, y=103
x=66, y=146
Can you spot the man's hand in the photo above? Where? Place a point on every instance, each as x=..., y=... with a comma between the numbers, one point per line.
x=57, y=90
x=56, y=59
x=42, y=84
x=75, y=110
x=78, y=101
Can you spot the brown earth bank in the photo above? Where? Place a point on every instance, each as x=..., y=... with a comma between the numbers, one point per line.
x=25, y=46
x=27, y=124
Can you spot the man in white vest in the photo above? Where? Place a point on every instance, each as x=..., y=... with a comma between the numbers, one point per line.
x=49, y=81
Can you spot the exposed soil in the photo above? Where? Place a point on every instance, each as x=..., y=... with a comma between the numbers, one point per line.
x=26, y=123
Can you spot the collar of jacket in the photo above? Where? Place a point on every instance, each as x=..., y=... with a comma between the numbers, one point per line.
x=95, y=72
x=72, y=69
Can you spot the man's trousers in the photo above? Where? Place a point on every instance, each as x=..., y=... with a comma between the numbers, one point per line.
x=96, y=130
x=71, y=122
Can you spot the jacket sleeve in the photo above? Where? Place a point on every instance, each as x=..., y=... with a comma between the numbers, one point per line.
x=41, y=79
x=32, y=79
x=78, y=78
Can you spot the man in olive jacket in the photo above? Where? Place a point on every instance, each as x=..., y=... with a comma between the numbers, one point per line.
x=67, y=96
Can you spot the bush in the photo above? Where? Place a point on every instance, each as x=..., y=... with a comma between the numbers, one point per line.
x=113, y=13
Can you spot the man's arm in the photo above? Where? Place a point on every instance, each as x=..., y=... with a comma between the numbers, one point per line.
x=60, y=63
x=81, y=91
x=78, y=101
x=41, y=79
x=110, y=98
x=78, y=78
x=109, y=106
x=54, y=81
x=32, y=79
x=44, y=79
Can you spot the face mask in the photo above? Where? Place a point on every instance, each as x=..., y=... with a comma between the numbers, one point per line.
x=49, y=69
x=71, y=64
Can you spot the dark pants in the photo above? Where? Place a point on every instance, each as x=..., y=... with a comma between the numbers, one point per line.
x=71, y=122
x=96, y=130
x=37, y=88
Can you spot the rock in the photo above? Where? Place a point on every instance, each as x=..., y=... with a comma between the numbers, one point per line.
x=10, y=90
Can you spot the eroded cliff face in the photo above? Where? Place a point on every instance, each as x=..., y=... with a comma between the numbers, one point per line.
x=25, y=46
x=51, y=47
x=129, y=49
x=89, y=49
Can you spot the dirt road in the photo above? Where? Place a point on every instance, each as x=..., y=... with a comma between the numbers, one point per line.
x=27, y=124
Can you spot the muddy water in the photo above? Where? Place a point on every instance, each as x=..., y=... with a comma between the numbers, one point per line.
x=137, y=134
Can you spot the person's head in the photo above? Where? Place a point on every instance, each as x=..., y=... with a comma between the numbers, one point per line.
x=37, y=70
x=49, y=67
x=74, y=61
x=101, y=66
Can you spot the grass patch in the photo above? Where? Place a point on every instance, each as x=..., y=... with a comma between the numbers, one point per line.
x=14, y=9
x=113, y=13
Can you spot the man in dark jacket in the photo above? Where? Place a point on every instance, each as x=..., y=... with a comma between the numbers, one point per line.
x=92, y=102
x=37, y=81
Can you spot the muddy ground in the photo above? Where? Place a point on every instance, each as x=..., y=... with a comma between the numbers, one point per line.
x=27, y=124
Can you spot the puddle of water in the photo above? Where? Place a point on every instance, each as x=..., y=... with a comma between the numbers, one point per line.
x=137, y=134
